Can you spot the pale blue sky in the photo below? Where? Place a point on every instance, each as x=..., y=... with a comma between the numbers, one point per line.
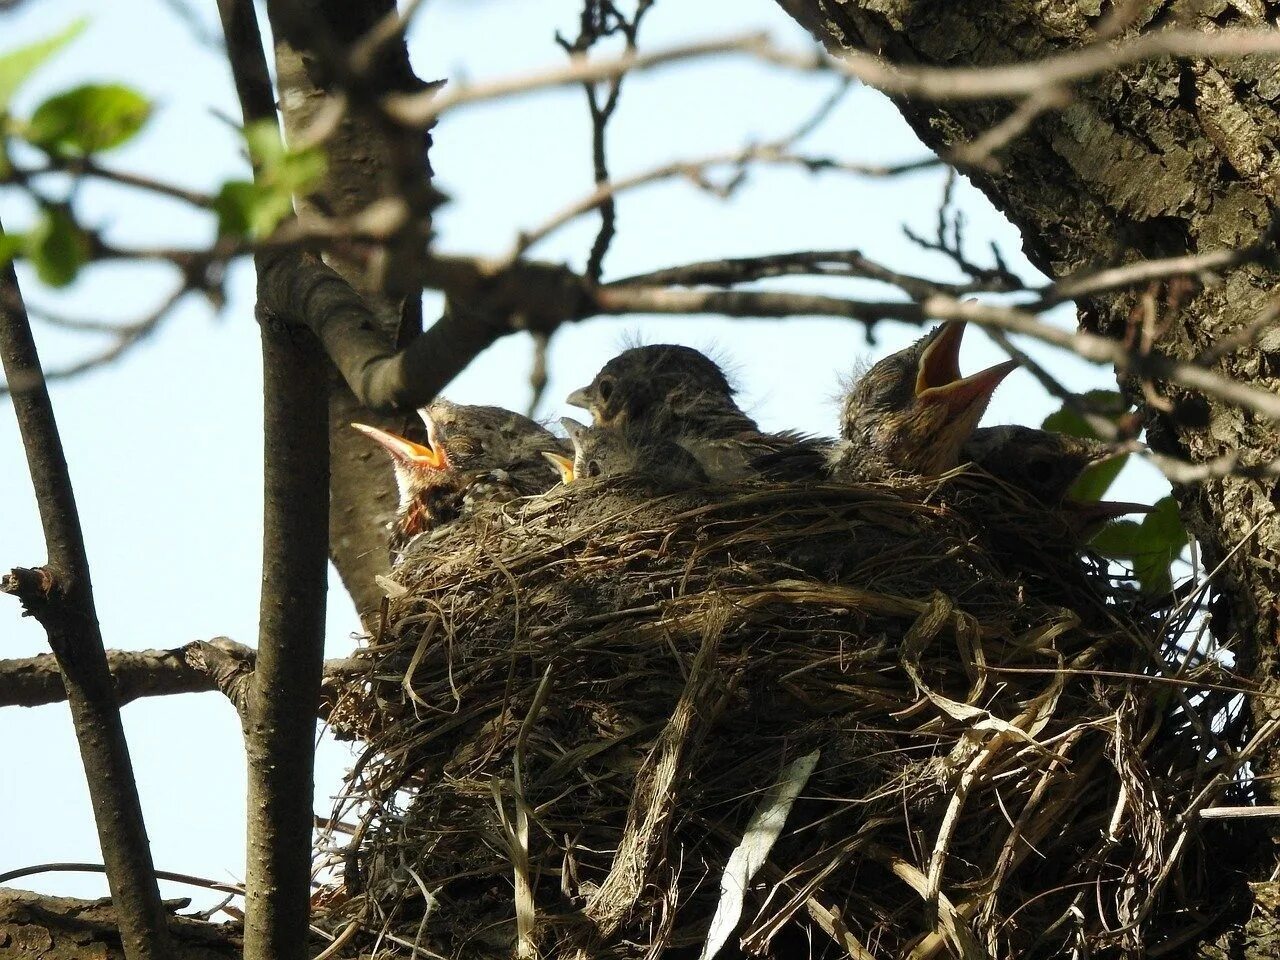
x=165, y=446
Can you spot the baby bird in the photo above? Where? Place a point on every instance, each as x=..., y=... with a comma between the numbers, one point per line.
x=912, y=412
x=1046, y=465
x=664, y=389
x=678, y=393
x=1040, y=462
x=473, y=454
x=611, y=451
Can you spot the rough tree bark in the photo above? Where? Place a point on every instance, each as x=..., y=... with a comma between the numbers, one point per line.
x=1158, y=159
x=37, y=927
x=369, y=159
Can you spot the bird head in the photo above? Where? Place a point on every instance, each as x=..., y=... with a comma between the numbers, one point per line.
x=589, y=446
x=461, y=440
x=646, y=385
x=1043, y=463
x=612, y=451
x=912, y=411
x=418, y=466
x=485, y=438
x=566, y=466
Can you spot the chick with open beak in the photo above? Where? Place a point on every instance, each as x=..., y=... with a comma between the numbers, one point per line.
x=912, y=412
x=611, y=451
x=473, y=454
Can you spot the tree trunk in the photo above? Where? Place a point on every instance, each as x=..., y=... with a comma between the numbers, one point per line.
x=368, y=160
x=1157, y=159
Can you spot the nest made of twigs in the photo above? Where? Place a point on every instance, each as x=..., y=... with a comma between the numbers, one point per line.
x=913, y=700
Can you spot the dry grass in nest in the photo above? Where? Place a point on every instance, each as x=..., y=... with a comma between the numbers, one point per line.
x=581, y=703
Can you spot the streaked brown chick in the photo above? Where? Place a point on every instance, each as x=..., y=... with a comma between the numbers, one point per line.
x=676, y=393
x=610, y=451
x=663, y=389
x=473, y=454
x=912, y=412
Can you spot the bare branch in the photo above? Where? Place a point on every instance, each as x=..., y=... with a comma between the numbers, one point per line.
x=81, y=167
x=761, y=303
x=1093, y=282
x=1244, y=337
x=417, y=109
x=285, y=693
x=1023, y=79
x=126, y=337
x=698, y=171
x=60, y=596
x=812, y=263
x=1100, y=425
x=1181, y=471
x=930, y=83
x=36, y=681
x=600, y=19
x=381, y=377
x=1102, y=350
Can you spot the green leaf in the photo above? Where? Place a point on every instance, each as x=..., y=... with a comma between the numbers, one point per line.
x=57, y=247
x=1093, y=484
x=1069, y=422
x=262, y=137
x=278, y=167
x=247, y=210
x=255, y=209
x=88, y=118
x=1119, y=539
x=1104, y=403
x=11, y=244
x=19, y=64
x=1151, y=546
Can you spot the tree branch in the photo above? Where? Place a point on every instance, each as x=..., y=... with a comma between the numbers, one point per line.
x=939, y=84
x=192, y=668
x=40, y=926
x=60, y=596
x=386, y=379
x=286, y=685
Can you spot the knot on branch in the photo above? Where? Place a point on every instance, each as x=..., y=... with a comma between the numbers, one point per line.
x=35, y=587
x=229, y=664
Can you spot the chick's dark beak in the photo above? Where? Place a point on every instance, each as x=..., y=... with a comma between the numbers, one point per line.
x=580, y=398
x=938, y=377
x=406, y=451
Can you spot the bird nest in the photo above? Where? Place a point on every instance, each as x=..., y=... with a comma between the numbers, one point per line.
x=856, y=721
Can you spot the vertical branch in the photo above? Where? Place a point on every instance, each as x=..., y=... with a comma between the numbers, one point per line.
x=295, y=540
x=600, y=19
x=60, y=596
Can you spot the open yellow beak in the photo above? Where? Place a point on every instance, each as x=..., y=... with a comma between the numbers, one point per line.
x=562, y=463
x=406, y=451
x=938, y=377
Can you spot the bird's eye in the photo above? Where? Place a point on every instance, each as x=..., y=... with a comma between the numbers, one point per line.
x=593, y=468
x=605, y=388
